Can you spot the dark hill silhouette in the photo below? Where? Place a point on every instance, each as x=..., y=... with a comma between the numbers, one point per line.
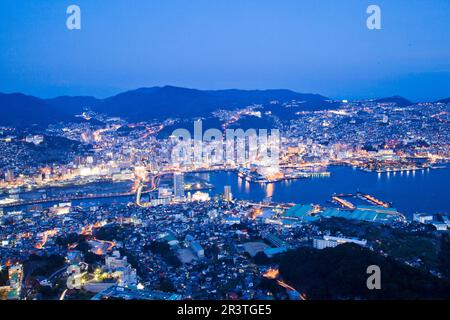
x=161, y=103
x=73, y=105
x=18, y=109
x=447, y=100
x=145, y=104
x=340, y=273
x=169, y=101
x=400, y=101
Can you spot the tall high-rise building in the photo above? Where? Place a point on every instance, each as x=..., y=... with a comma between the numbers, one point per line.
x=227, y=195
x=178, y=185
x=9, y=176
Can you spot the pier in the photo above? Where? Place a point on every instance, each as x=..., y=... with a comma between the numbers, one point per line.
x=375, y=201
x=344, y=203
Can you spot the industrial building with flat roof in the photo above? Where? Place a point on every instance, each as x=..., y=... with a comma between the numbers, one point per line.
x=311, y=213
x=116, y=292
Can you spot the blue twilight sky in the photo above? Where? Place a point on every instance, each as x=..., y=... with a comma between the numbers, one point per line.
x=320, y=46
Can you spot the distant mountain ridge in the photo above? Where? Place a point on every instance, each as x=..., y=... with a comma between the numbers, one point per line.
x=17, y=109
x=447, y=100
x=159, y=103
x=144, y=104
x=172, y=101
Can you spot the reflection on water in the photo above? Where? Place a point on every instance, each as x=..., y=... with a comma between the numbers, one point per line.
x=269, y=190
x=247, y=187
x=424, y=191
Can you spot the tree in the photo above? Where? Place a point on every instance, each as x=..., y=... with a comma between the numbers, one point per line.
x=262, y=259
x=4, y=277
x=340, y=273
x=444, y=255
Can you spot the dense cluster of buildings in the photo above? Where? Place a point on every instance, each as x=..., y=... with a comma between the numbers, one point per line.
x=175, y=241
x=197, y=249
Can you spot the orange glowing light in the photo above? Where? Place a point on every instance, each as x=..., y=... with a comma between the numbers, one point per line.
x=272, y=274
